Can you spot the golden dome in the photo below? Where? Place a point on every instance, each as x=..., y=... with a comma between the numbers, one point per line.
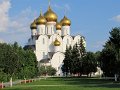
x=58, y=26
x=41, y=20
x=65, y=21
x=56, y=42
x=33, y=25
x=50, y=15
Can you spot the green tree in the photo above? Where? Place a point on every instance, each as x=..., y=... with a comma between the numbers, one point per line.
x=89, y=63
x=66, y=68
x=51, y=71
x=108, y=60
x=82, y=50
x=16, y=62
x=75, y=63
x=110, y=55
x=46, y=70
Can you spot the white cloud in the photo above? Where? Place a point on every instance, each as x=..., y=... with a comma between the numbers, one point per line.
x=116, y=18
x=21, y=22
x=4, y=18
x=16, y=23
x=15, y=27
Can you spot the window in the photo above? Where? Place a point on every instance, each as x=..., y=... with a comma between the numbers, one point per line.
x=43, y=41
x=51, y=30
x=46, y=30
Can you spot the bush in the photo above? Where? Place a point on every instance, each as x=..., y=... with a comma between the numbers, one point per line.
x=47, y=70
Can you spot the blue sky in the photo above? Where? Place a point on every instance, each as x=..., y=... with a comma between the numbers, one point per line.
x=91, y=18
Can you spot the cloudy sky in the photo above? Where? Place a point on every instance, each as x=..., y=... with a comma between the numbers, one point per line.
x=93, y=19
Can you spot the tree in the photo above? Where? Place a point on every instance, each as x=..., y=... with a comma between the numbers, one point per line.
x=17, y=62
x=66, y=68
x=3, y=76
x=82, y=47
x=108, y=60
x=89, y=63
x=82, y=51
x=51, y=71
x=75, y=63
x=47, y=70
x=110, y=55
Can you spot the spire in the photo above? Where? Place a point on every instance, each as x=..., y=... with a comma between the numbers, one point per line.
x=65, y=11
x=40, y=12
x=49, y=8
x=49, y=2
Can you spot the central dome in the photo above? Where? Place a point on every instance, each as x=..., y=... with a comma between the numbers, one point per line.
x=50, y=15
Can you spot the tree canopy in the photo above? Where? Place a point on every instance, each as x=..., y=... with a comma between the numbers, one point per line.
x=110, y=55
x=16, y=62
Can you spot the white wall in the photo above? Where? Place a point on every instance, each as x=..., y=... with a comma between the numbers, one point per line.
x=41, y=29
x=77, y=39
x=51, y=41
x=65, y=30
x=57, y=61
x=59, y=32
x=50, y=28
x=67, y=40
x=42, y=47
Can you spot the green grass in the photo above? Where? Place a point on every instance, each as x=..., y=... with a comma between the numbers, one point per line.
x=68, y=84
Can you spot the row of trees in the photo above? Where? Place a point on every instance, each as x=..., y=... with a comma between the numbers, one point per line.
x=16, y=62
x=78, y=61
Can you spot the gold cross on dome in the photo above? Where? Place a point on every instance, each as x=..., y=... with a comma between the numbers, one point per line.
x=49, y=2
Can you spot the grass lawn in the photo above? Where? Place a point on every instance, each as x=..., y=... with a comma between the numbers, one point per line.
x=68, y=84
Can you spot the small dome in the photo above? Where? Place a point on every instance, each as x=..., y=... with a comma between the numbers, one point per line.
x=65, y=21
x=50, y=15
x=58, y=26
x=41, y=20
x=56, y=42
x=33, y=25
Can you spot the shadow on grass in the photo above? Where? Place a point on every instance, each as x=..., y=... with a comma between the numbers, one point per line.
x=89, y=82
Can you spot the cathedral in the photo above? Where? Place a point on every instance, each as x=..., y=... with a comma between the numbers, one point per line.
x=50, y=37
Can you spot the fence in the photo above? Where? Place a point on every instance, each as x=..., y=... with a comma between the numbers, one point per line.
x=11, y=83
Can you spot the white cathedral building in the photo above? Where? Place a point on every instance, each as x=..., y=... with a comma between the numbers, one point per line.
x=49, y=39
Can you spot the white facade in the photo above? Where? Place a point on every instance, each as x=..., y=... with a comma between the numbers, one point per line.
x=43, y=38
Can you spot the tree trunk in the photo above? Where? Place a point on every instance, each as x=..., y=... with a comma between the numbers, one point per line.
x=116, y=77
